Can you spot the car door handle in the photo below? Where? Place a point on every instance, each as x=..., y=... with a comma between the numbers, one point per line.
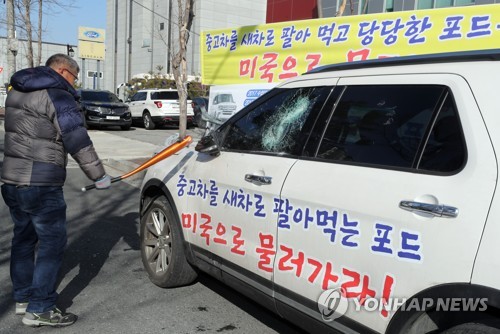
x=437, y=210
x=258, y=179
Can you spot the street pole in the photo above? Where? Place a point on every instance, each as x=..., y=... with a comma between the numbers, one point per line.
x=98, y=73
x=11, y=40
x=152, y=36
x=115, y=48
x=129, y=40
x=84, y=75
x=169, y=42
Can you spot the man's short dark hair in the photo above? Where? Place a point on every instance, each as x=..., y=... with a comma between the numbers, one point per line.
x=60, y=59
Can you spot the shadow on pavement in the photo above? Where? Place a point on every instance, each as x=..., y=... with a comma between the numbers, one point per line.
x=95, y=226
x=270, y=319
x=91, y=250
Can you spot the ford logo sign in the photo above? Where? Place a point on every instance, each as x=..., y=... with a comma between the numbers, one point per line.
x=92, y=34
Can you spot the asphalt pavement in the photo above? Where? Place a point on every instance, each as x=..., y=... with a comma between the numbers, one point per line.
x=103, y=280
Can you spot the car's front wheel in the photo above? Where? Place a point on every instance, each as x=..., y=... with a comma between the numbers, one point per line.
x=148, y=121
x=162, y=248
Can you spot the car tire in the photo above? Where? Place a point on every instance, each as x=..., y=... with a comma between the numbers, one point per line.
x=474, y=328
x=148, y=121
x=125, y=127
x=162, y=248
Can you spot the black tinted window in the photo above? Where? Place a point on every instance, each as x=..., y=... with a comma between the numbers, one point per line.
x=385, y=125
x=445, y=150
x=98, y=96
x=139, y=96
x=277, y=124
x=164, y=96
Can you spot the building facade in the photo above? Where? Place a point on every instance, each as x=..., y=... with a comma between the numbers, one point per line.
x=88, y=68
x=291, y=10
x=142, y=35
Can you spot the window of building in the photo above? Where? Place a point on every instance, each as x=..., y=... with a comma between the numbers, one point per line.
x=465, y=2
x=428, y=4
x=443, y=3
x=162, y=26
x=328, y=8
x=425, y=4
x=389, y=6
x=363, y=6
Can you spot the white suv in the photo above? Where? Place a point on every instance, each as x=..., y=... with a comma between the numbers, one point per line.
x=360, y=197
x=155, y=107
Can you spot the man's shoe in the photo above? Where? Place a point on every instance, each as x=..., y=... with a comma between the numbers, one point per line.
x=53, y=318
x=21, y=308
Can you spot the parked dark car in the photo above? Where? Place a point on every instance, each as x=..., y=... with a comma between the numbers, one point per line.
x=103, y=108
x=200, y=107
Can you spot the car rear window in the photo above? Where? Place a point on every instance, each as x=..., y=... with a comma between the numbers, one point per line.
x=100, y=97
x=164, y=96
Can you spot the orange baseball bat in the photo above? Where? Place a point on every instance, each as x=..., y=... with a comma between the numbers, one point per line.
x=165, y=153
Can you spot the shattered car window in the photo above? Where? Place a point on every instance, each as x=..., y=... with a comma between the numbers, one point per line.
x=276, y=125
x=279, y=133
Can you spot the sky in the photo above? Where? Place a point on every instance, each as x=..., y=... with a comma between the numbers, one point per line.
x=61, y=26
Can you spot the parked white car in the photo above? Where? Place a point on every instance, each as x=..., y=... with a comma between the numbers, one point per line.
x=156, y=107
x=361, y=198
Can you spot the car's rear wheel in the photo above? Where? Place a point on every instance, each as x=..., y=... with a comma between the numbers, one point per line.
x=148, y=121
x=162, y=248
x=474, y=328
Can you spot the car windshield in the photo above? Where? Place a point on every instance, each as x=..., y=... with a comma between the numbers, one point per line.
x=165, y=96
x=99, y=96
x=226, y=98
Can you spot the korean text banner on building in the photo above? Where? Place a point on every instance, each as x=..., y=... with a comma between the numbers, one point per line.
x=276, y=52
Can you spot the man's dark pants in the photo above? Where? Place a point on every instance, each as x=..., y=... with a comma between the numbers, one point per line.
x=39, y=216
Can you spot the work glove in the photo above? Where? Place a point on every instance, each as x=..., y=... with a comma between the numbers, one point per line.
x=104, y=182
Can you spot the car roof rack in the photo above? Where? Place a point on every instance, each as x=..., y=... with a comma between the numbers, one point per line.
x=460, y=56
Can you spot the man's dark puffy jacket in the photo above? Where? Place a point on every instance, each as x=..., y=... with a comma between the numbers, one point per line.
x=42, y=125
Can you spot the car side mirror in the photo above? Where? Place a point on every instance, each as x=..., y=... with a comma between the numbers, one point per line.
x=208, y=145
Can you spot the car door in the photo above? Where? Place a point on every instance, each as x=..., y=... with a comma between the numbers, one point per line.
x=359, y=220
x=234, y=196
x=137, y=104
